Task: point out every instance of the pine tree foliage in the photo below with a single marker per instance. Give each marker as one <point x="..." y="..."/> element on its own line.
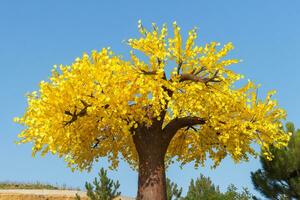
<point x="102" y="189"/>
<point x="173" y="191"/>
<point x="204" y="189"/>
<point x="233" y="194"/>
<point x="280" y="177"/>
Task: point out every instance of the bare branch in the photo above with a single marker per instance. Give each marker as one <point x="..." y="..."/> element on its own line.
<point x="195" y="78"/>
<point x="81" y="113"/>
<point x="159" y="61"/>
<point x="191" y="127"/>
<point x="174" y="125"/>
<point x="148" y="72"/>
<point x="201" y="70"/>
<point x="179" y="66"/>
<point x="190" y="77"/>
<point x="73" y="119"/>
<point x="68" y="113"/>
<point x="96" y="143"/>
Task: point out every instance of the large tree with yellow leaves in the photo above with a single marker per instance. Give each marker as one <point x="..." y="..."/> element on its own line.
<point x="105" y="106"/>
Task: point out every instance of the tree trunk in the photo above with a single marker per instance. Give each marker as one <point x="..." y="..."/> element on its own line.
<point x="151" y="150"/>
<point x="152" y="178"/>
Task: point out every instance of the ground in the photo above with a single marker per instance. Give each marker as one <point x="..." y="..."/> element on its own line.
<point x="27" y="194"/>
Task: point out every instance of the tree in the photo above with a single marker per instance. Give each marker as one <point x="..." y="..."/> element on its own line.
<point x="204" y="189"/>
<point x="173" y="190"/>
<point x="103" y="189"/>
<point x="280" y="177"/>
<point x="232" y="193"/>
<point x="105" y="106"/>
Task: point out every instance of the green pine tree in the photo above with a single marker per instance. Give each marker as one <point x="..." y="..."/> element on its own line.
<point x="102" y="189"/>
<point x="173" y="191"/>
<point x="233" y="194"/>
<point x="280" y="178"/>
<point x="204" y="189"/>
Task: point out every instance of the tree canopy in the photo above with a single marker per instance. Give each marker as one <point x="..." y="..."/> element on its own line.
<point x="94" y="107"/>
<point x="280" y="177"/>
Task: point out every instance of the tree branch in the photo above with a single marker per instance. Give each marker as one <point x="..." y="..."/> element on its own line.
<point x="199" y="71"/>
<point x="81" y="113"/>
<point x="148" y="72"/>
<point x="75" y="115"/>
<point x="174" y="125"/>
<point x="179" y="66"/>
<point x="195" y="78"/>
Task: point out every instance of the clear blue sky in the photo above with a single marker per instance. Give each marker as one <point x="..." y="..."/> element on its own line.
<point x="34" y="36"/>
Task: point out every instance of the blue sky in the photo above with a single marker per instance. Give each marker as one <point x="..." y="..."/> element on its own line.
<point x="34" y="36"/>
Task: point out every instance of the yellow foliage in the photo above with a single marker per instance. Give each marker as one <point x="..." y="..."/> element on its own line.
<point x="91" y="108"/>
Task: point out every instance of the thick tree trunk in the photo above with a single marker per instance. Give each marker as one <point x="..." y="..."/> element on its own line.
<point x="152" y="178"/>
<point x="151" y="149"/>
<point x="151" y="143"/>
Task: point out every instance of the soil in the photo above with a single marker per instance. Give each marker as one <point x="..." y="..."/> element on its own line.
<point x="41" y="194"/>
<point x="22" y="194"/>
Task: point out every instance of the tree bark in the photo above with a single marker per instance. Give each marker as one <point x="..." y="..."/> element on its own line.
<point x="151" y="150"/>
<point x="152" y="178"/>
<point x="151" y="144"/>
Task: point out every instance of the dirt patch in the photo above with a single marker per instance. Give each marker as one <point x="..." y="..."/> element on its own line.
<point x="41" y="195"/>
<point x="23" y="194"/>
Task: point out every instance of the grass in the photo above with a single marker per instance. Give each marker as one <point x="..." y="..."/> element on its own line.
<point x="37" y="185"/>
